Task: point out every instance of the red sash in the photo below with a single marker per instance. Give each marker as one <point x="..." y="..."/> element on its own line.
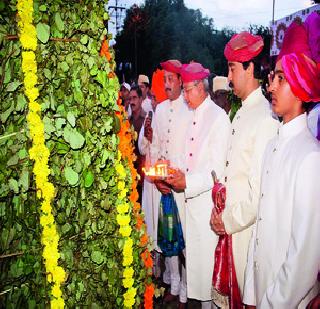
<point x="224" y="279"/>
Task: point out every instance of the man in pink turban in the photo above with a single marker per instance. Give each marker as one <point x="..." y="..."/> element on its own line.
<point x="284" y="254"/>
<point x="205" y="150"/>
<point x="252" y="128"/>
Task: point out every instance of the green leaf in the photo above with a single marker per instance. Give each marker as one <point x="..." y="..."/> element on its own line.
<point x="21" y="102"/>
<point x="84" y="39"/>
<point x="13" y="185"/>
<point x="88" y="180"/>
<point x="47" y="73"/>
<point x="43" y="32"/>
<point x="58" y="21"/>
<point x="48" y="125"/>
<point x="59" y="123"/>
<point x="74" y="138"/>
<point x="23" y="153"/>
<point x="63" y="66"/>
<point x="42" y="8"/>
<point x="71" y="176"/>
<point x="24" y="180"/>
<point x="71" y="119"/>
<point x="13" y="86"/>
<point x="4" y="116"/>
<point x="97" y="257"/>
<point x="13" y="160"/>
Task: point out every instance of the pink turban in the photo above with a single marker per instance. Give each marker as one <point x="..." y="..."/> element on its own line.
<point x="193" y="71"/>
<point x="300" y="58"/>
<point x="243" y="47"/>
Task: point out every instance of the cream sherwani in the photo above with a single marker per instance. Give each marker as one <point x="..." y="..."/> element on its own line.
<point x="285" y="255"/>
<point x="206" y="149"/>
<point x="252" y="128"/>
<point x="170" y="124"/>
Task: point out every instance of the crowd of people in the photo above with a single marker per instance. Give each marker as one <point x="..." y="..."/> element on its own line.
<point x="267" y="159"/>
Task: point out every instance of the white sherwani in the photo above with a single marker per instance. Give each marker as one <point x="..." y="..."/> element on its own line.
<point x="146" y="105"/>
<point x="252" y="128"/>
<point x="206" y="149"/>
<point x="170" y="123"/>
<point x="286" y="256"/>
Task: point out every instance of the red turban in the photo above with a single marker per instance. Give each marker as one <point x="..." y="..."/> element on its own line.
<point x="243" y="47"/>
<point x="173" y="66"/>
<point x="193" y="71"/>
<point x="157" y="86"/>
<point x="299" y="59"/>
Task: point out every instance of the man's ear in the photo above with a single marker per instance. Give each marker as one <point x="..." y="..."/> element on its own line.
<point x="250" y="69"/>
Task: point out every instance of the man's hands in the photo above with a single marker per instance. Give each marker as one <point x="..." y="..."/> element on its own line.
<point x="216" y="222"/>
<point x="163" y="187"/>
<point x="148" y="129"/>
<point x="177" y="180"/>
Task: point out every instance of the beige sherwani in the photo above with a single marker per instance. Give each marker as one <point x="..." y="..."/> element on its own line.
<point x="252" y="127"/>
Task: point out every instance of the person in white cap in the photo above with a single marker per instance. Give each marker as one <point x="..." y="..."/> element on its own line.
<point x="220" y="92"/>
<point x="124" y="93"/>
<point x="144" y="84"/>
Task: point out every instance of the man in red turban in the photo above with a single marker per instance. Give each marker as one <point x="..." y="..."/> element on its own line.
<point x="284" y="256"/>
<point x="252" y="127"/>
<point x="169" y="124"/>
<point x="206" y="144"/>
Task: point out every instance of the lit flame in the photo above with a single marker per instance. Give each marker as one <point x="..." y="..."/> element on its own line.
<point x="158" y="170"/>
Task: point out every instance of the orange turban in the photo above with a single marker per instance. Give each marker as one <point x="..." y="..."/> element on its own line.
<point x="157" y="86"/>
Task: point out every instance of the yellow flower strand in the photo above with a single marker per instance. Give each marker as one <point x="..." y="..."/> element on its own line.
<point x="40" y="153"/>
<point x="123" y="219"/>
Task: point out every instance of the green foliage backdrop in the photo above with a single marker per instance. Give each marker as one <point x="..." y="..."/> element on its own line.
<point x="78" y="102"/>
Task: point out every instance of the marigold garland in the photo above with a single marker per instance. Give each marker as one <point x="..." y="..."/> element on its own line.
<point x="40" y="153"/>
<point x="126" y="149"/>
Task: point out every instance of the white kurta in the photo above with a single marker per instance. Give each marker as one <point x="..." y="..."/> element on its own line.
<point x="150" y="194"/>
<point x="206" y="149"/>
<point x="170" y="123"/>
<point x="146" y="105"/>
<point x="286" y="255"/>
<point x="252" y="128"/>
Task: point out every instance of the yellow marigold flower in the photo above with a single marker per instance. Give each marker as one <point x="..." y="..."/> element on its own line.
<point x="46" y="219"/>
<point x="57" y="303"/>
<point x="128" y="243"/>
<point x="59" y="274"/>
<point x="125" y="231"/>
<point x="30" y="80"/>
<point x="122" y="194"/>
<point x="121" y="185"/>
<point x="123" y="219"/>
<point x="130" y="294"/>
<point x="32" y="95"/>
<point x="127" y="260"/>
<point x="56" y="291"/>
<point x="123" y="208"/>
<point x="127" y="252"/>
<point x="120" y="170"/>
<point x="127" y="283"/>
<point x="128" y="272"/>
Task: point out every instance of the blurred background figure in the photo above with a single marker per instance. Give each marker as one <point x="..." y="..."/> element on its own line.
<point x="144" y="84"/>
<point x="220" y="92"/>
<point x="124" y="93"/>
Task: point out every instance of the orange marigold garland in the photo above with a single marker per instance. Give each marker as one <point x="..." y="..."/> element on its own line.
<point x="126" y="149"/>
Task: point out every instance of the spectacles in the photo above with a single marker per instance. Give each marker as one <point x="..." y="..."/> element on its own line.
<point x="187" y="90"/>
